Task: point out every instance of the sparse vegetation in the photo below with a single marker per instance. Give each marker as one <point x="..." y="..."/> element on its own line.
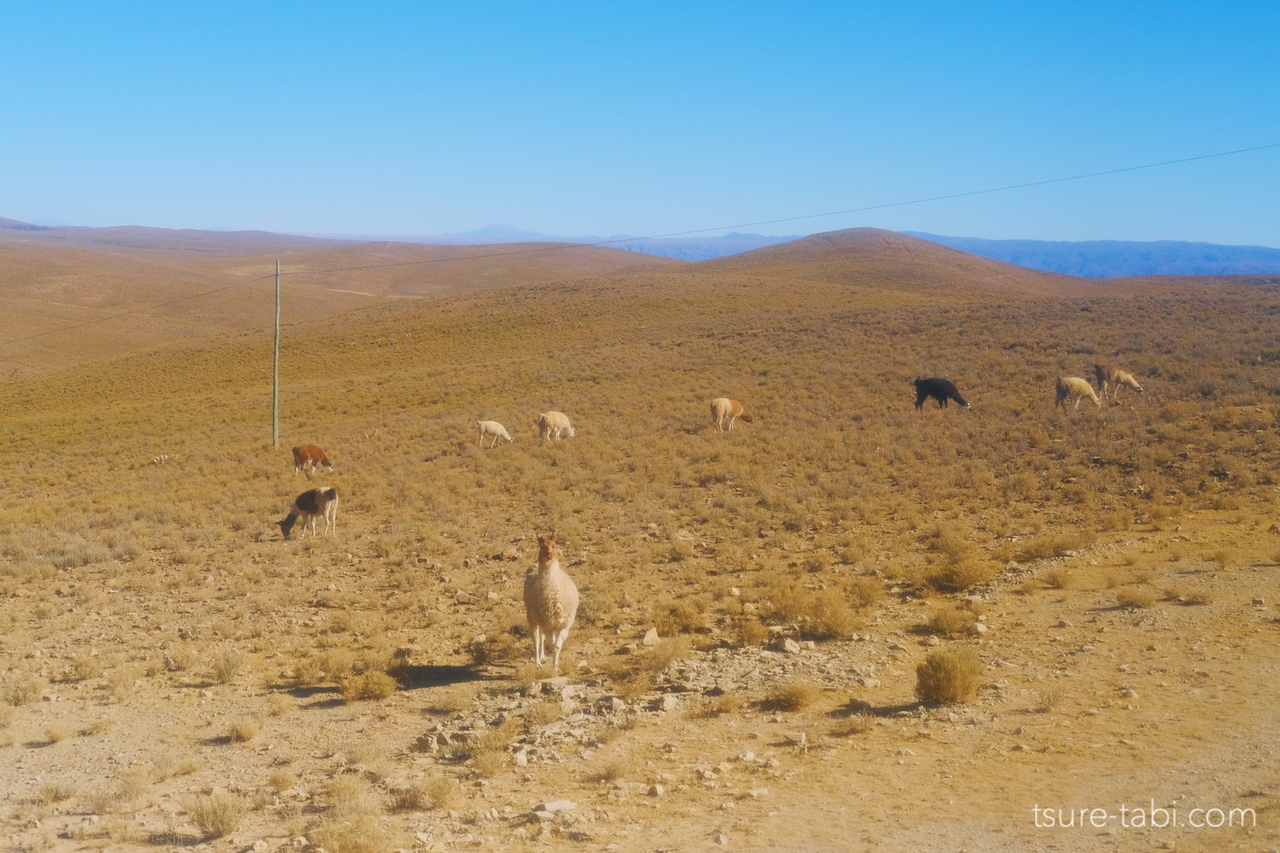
<point x="947" y="676"/>
<point x="218" y="814"/>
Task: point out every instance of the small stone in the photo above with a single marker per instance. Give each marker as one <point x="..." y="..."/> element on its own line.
<point x="260" y="846"/>
<point x="1020" y="747"/>
<point x="479" y="640"/>
<point x="1129" y="693"/>
<point x="1063" y="623"/>
<point x="791" y="646"/>
<point x="980" y="628"/>
<point x="668" y="702"/>
<point x="721" y="838"/>
<point x="651" y="637"/>
<point x="656" y="790"/>
<point x="809" y="644"/>
<point x="869" y="682"/>
<point x="798" y="738"/>
<point x="617" y="704"/>
<point x="748" y="607"/>
<point x="1260" y="602"/>
<point x="556" y="806"/>
<point x="493" y="596"/>
<point x="933" y="641"/>
<point x="757" y="793"/>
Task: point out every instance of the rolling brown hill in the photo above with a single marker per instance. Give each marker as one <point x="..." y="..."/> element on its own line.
<point x="141" y="289"/>
<point x="871" y="257"/>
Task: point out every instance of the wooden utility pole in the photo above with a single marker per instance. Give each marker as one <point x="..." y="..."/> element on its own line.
<point x="275" y="372"/>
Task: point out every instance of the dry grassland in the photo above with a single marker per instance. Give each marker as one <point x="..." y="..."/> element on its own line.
<point x="880" y="628"/>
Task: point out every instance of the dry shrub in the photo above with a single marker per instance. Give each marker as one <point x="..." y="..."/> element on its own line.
<point x="792" y="696"/>
<point x="611" y="770"/>
<point x="540" y="714"/>
<point x="1057" y="578"/>
<point x="948" y="676"/>
<point x="952" y="622"/>
<point x="864" y="592"/>
<point x="217" y="814"/>
<point x="856" y="724"/>
<point x="751" y="631"/>
<point x="678" y="617"/>
<point x="829" y="617"/>
<point x="23" y="690"/>
<point x="1139" y="599"/>
<point x="961" y="576"/>
<point x="432" y="794"/>
<point x="1201" y="597"/>
<point x="359" y="835"/>
<point x="245" y="729"/>
<point x="350" y="797"/>
<point x="372" y="684"/>
<point x="7" y="715"/>
<point x="84" y="666"/>
<point x="279" y="704"/>
<point x="667" y="652"/>
<point x="1048" y="545"/>
<point x="281" y="780"/>
<point x="1050" y="698"/>
<point x="55" y="792"/>
<point x="227" y="665"/>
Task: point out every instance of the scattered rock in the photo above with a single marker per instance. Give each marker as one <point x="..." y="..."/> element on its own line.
<point x="791" y="646"/>
<point x="651" y="637"/>
<point x="721" y="838"/>
<point x="798" y="738"/>
<point x="656" y="790"/>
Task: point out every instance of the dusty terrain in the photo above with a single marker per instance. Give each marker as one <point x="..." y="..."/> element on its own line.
<point x="175" y="675"/>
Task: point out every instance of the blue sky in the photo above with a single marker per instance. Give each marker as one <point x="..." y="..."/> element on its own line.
<point x="601" y="119"/>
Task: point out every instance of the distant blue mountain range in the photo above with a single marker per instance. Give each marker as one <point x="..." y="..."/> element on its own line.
<point x="685" y="248"/>
<point x="1115" y="258"/>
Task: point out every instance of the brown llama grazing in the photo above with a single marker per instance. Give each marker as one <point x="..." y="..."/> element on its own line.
<point x="1109" y="374"/>
<point x="550" y="602"/>
<point x="309" y="456"/>
<point x="1077" y="388"/>
<point x="725" y="411"/>
<point x="309" y="506"/>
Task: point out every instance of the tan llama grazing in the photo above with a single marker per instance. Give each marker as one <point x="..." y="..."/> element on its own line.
<point x="550" y="602"/>
<point x="1109" y="374"/>
<point x="1076" y="388"/>
<point x="725" y="411"/>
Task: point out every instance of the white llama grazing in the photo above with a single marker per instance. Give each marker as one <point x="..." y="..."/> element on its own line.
<point x="1077" y="388"/>
<point x="494" y="429"/>
<point x="725" y="411"/>
<point x="552" y="424"/>
<point x="550" y="602"/>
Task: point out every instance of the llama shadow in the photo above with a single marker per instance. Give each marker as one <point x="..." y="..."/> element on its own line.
<point x="419" y="677"/>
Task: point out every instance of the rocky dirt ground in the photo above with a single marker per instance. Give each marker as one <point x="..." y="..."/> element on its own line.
<point x="1084" y="704"/>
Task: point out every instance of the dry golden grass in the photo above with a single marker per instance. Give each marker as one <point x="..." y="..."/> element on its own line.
<point x="838" y="493"/>
<point x="792" y="696"/>
<point x="218" y="814"/>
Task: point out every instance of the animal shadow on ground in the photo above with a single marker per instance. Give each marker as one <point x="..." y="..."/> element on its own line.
<point x="418" y="677"/>
<point x="855" y="707"/>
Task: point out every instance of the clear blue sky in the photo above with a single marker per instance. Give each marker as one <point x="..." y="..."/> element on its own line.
<point x="593" y="118"/>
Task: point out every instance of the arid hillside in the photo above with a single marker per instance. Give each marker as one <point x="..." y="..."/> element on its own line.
<point x="141" y="289"/>
<point x="846" y="624"/>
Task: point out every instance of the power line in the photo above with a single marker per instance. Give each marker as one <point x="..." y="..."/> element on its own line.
<point x="562" y="246"/>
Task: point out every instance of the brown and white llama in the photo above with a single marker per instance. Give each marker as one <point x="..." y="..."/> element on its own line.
<point x="309" y="456"/>
<point x="1109" y="374"/>
<point x="725" y="411"/>
<point x="1076" y="388"/>
<point x="309" y="506"/>
<point x="550" y="602"/>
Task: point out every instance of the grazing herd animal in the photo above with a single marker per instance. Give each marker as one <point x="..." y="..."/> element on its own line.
<point x="1109" y="374"/>
<point x="494" y="429"/>
<point x="1074" y="387"/>
<point x="309" y="456"/>
<point x="725" y="411"/>
<point x="552" y="424"/>
<point x="939" y="389"/>
<point x="309" y="506"/>
<point x="550" y="602"/>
